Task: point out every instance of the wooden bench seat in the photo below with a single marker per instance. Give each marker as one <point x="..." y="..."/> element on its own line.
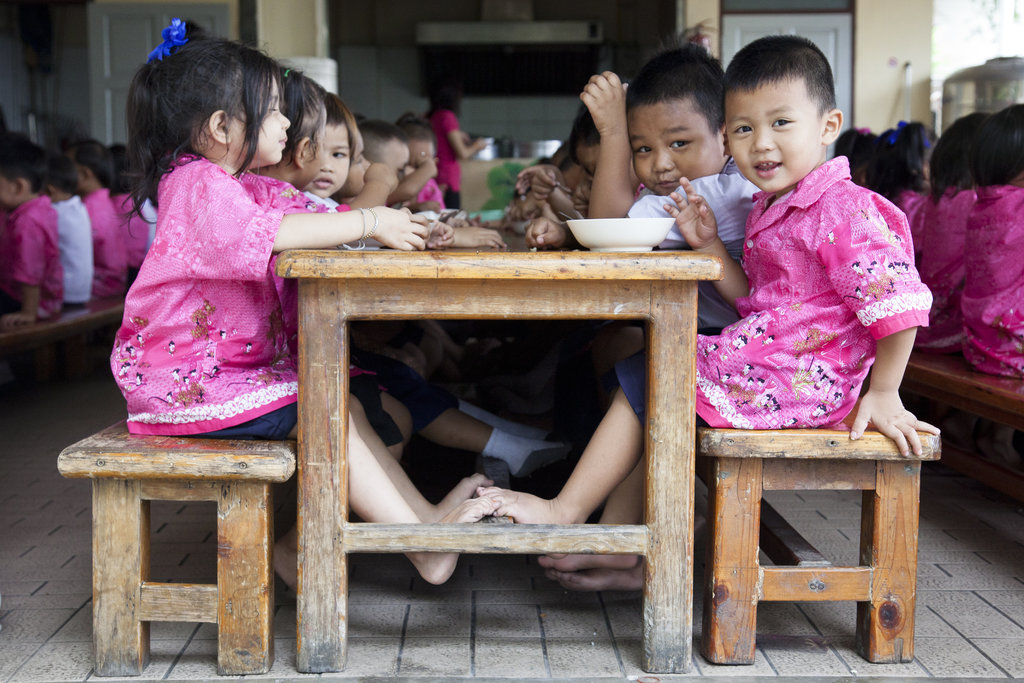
<point x="70" y="327"/>
<point x="744" y="463"/>
<point x="949" y="379"/>
<point x="127" y="472"/>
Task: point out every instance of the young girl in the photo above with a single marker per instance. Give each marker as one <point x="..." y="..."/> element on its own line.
<point x="942" y="229"/>
<point x="136" y="229"/>
<point x="202" y="349"/>
<point x="898" y="171"/>
<point x="829" y="288"/>
<point x="453" y="144"/>
<point x="857" y="145"/>
<point x="422" y="164"/>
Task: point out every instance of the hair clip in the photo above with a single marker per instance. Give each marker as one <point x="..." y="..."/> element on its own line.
<point x="286" y="72"/>
<point x="174" y="36"/>
<point x="863" y="131"/>
<point x="890" y="139"/>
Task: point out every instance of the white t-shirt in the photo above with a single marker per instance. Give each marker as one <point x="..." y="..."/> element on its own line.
<point x="730" y="196"/>
<point x="74" y="238"/>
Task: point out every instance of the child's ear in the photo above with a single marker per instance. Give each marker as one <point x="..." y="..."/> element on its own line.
<point x="304" y="153"/>
<point x="833" y="124"/>
<point x="725" y="140"/>
<point x="217" y="127"/>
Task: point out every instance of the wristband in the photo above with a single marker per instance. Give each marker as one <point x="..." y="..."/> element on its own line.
<point x="376" y="224"/>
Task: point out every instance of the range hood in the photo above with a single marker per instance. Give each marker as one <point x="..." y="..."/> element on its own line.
<point x="511" y="57"/>
<point x="509" y="33"/>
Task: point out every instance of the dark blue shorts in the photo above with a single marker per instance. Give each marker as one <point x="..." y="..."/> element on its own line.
<point x="425" y="401"/>
<point x="632" y="376"/>
<point x="274" y="426"/>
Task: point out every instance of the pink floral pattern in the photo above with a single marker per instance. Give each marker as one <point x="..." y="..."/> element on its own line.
<point x="829" y="274"/>
<point x="993" y="298"/>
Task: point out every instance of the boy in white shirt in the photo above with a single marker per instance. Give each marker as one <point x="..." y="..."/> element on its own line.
<point x="74" y="232"/>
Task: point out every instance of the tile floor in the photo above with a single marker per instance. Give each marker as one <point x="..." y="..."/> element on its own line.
<point x="498" y="617"/>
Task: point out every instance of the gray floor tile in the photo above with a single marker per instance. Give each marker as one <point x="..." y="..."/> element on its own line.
<point x="573" y="657"/>
<point x="793" y="656"/>
<point x="512" y="621"/>
<point x="509" y="657"/>
<point x="954" y="657"/>
<point x="1007" y="653"/>
<point x="435" y="657"/>
<point x="57" y="662"/>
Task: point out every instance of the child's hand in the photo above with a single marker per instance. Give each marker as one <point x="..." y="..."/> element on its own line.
<point x="442" y="235"/>
<point x="885" y="411"/>
<point x="694" y="218"/>
<point x="475" y="237"/>
<point x="545" y="233"/>
<point x="539" y="180"/>
<point x="605" y="97"/>
<point x="399" y="229"/>
<point x="383" y="174"/>
<point x="16" y="319"/>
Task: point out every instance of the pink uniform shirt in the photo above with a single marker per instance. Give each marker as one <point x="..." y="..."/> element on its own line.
<point x="134" y="230"/>
<point x="993" y="298"/>
<point x="911" y="203"/>
<point x="109" y="252"/>
<point x="202" y="345"/>
<point x="828" y="276"/>
<point x="943" y="228"/>
<point x="30" y="254"/>
<point x="443" y="122"/>
<point x="431" y="193"/>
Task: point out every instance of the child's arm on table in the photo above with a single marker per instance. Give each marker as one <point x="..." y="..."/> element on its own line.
<point x="548" y="232"/>
<point x="29" y="307"/>
<point x="378" y="184"/>
<point x="411" y="184"/>
<point x="614" y="180"/>
<point x="881" y="405"/>
<point x="397" y="229"/>
<point x="697" y="225"/>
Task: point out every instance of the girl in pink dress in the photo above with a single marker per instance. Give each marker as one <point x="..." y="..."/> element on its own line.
<point x="898" y="171"/>
<point x="453" y="144"/>
<point x="202" y="348"/>
<point x="942" y="226"/>
<point x="828" y="291"/>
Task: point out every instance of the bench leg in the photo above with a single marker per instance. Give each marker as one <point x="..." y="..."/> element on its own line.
<point x="889" y="522"/>
<point x="245" y="578"/>
<point x="120" y="564"/>
<point x="731" y="584"/>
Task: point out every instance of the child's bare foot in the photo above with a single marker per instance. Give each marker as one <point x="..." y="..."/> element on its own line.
<point x="524" y="508"/>
<point x="601" y="578"/>
<point x="286" y="558"/>
<point x="462" y="492"/>
<point x="436" y="568"/>
<point x="996" y="444"/>
<point x="575" y="563"/>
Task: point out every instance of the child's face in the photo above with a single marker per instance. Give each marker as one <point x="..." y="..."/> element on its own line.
<point x="776" y="134"/>
<point x="419" y="152"/>
<point x="273" y="136"/>
<point x="333" y="164"/>
<point x="11" y="193"/>
<point x="395" y="154"/>
<point x="671" y="140"/>
<point x="587" y="156"/>
<point x="356" y="170"/>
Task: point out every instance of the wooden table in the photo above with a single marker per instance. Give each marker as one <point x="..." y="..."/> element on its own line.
<point x="338" y="286"/>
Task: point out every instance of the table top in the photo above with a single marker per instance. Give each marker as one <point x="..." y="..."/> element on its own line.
<point x="501" y="265"/>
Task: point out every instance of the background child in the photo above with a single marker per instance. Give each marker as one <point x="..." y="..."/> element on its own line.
<point x="453" y="144"/>
<point x="202" y="349"/>
<point x="942" y="231"/>
<point x="368" y="184"/>
<point x="336" y="152"/>
<point x="109" y="251"/>
<point x="74" y="231"/>
<point x="814" y="318"/>
<point x="32" y="279"/>
<point x="137" y="228"/>
<point x="899" y="171"/>
<point x="857" y="145"/>
<point x="422" y="162"/>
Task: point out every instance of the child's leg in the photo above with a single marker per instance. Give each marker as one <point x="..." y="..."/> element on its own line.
<point x="607" y="460"/>
<point x="402" y="419"/>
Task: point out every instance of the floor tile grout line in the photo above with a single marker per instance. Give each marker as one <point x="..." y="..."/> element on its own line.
<point x="401" y="640"/>
<point x="611" y="634"/>
<point x="996" y="608"/>
<point x="472" y="631"/>
<point x="181" y="652"/>
<point x="831" y="644"/>
<point x="50" y="637"/>
<point x="969" y="641"/>
<point x="543" y="641"/>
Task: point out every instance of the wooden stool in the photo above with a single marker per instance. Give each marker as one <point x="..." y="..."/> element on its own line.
<point x="129" y="471"/>
<point x="743" y="464"/>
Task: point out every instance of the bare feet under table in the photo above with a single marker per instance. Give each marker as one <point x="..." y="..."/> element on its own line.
<point x="336" y="287"/>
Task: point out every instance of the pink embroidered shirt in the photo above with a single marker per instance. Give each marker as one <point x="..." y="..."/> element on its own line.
<point x="134" y="230"/>
<point x="828" y="276"/>
<point x="993" y="298"/>
<point x="431" y="193"/>
<point x="911" y="203"/>
<point x="202" y="345"/>
<point x="941" y="263"/>
<point x="30" y="254"/>
<point x="109" y="252"/>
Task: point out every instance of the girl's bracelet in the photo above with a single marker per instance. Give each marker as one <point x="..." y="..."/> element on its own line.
<point x="376" y="224"/>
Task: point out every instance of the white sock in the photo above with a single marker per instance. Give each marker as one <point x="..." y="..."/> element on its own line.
<point x="523" y="455"/>
<point x="501" y="423"/>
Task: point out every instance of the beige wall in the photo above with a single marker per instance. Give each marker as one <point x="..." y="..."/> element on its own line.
<point x="296" y="28"/>
<point x="232" y="9"/>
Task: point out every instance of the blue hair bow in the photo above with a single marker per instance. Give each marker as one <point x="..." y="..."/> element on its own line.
<point x="890" y="139"/>
<point x="174" y="36"/>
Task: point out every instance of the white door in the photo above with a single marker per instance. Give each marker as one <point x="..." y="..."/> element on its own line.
<point x="121" y="36"/>
<point x="832" y="33"/>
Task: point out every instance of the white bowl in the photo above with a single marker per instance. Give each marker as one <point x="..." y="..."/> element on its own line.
<point x="620" y="234"/>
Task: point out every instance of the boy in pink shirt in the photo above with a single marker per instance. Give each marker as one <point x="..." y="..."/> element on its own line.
<point x="32" y="279"/>
<point x="109" y="249"/>
<point x="828" y="288"/>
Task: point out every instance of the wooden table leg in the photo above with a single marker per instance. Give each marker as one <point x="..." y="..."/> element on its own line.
<point x="668" y="582"/>
<point x="323" y="497"/>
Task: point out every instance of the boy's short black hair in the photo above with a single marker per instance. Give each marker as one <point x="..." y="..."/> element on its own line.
<point x="61" y="173"/>
<point x="22" y="158"/>
<point x="95" y="156"/>
<point x="773" y="59"/>
<point x="685" y="72"/>
<point x="376" y="134"/>
<point x="998" y="154"/>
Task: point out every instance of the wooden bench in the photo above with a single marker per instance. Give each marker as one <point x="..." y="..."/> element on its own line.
<point x="70" y="327"/>
<point x="951" y="380"/>
<point x="127" y="472"/>
<point x="744" y="463"/>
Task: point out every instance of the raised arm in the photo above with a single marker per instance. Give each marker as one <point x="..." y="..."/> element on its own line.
<point x="614" y="180"/>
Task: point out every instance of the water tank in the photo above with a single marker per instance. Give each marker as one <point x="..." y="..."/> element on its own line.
<point x="992" y="86"/>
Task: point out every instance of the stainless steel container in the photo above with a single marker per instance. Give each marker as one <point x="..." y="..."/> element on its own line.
<point x="992" y="86"/>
